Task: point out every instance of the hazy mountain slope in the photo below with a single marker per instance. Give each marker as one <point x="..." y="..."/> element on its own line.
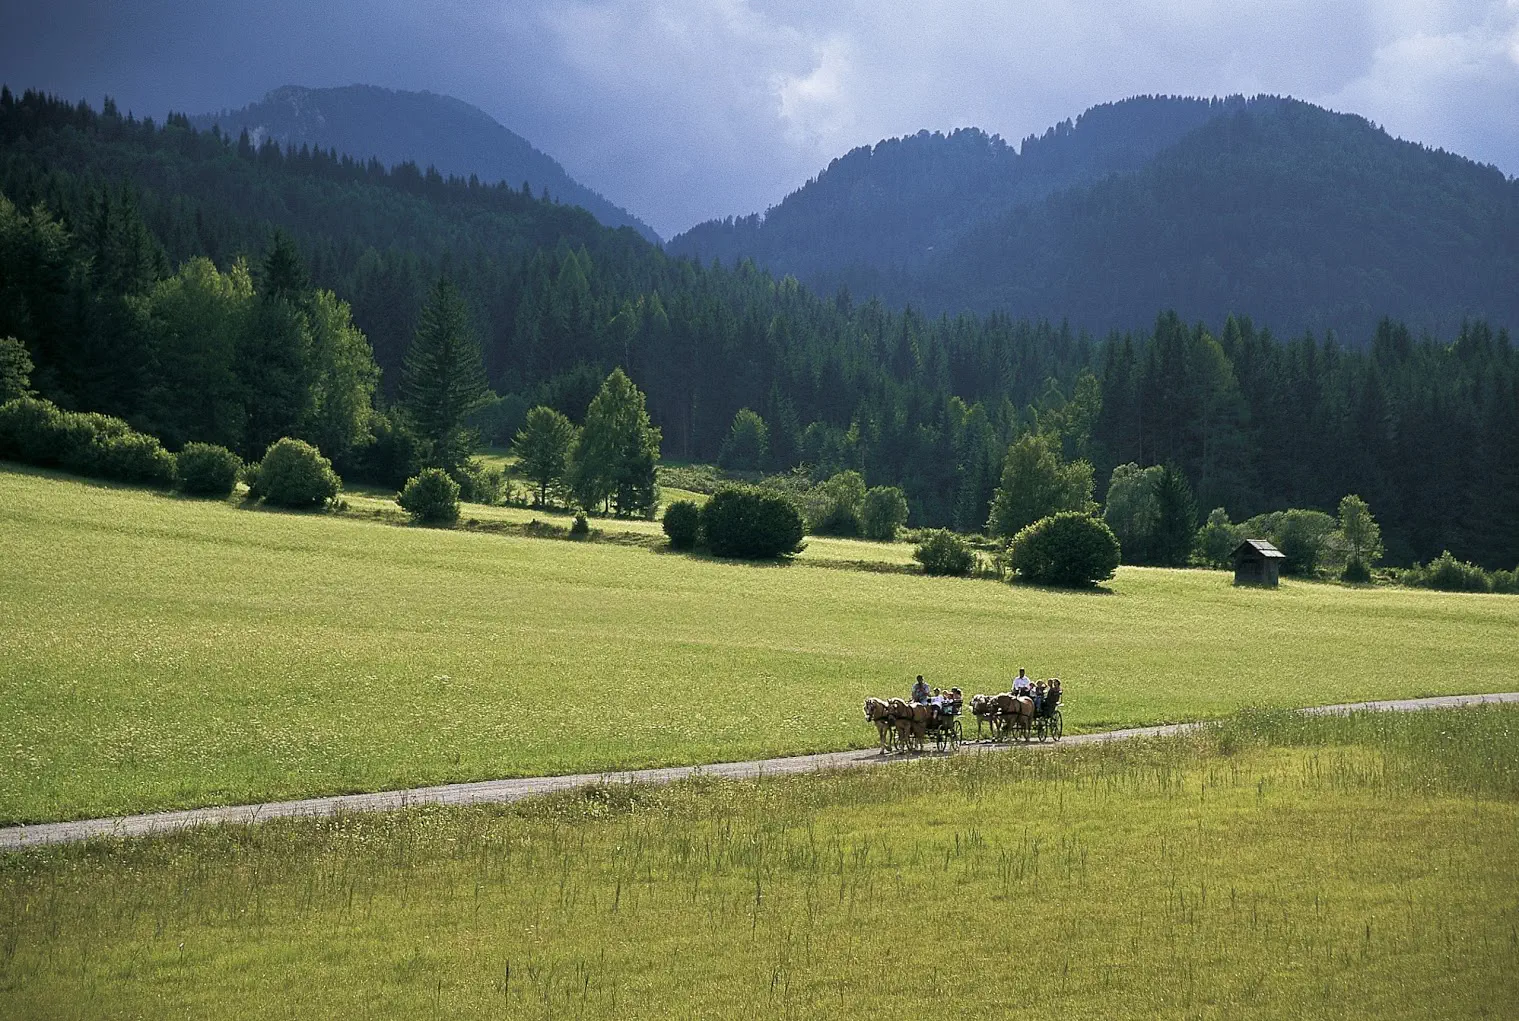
<point x="422" y="127"/>
<point x="889" y="207"/>
<point x="1269" y="207"/>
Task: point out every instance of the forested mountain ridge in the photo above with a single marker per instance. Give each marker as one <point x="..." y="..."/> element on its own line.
<point x="887" y="209"/>
<point x="107" y="224"/>
<point x="1270" y="208"/>
<point x="396" y="126"/>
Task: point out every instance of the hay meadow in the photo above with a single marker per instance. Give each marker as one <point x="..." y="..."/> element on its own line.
<point x="1273" y="867"/>
<point x="161" y="652"/>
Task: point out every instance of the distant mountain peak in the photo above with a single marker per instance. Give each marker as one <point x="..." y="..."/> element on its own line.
<point x="426" y="128"/>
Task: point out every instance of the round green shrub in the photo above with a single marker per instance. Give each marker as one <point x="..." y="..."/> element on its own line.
<point x="205" y="469"/>
<point x="1071" y="549"/>
<point x="294" y="474"/>
<point x="1356" y="572"/>
<point x="944" y="552"/>
<point x="129" y="457"/>
<point x="883" y="512"/>
<point x="683" y="524"/>
<point x="431" y="497"/>
<point x="580" y="528"/>
<point x="751" y="524"/>
<point x="32" y="431"/>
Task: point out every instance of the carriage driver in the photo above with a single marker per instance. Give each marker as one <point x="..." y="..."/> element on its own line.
<point x="1022" y="682"/>
<point x="919" y="691"/>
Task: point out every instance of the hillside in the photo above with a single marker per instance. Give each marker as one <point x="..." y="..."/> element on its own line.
<point x="1269" y="208"/>
<point x="891" y="207"/>
<point x="395" y="126"/>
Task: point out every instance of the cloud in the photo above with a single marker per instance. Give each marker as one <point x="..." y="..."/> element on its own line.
<point x="687" y="109"/>
<point x="1446" y="82"/>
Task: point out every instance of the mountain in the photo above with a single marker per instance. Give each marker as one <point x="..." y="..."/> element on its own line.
<point x="421" y="127"/>
<point x="1268" y="207"/>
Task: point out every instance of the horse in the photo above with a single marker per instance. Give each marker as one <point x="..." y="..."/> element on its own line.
<point x="878" y="711"/>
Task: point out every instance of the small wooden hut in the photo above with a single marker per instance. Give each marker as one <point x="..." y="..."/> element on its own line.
<point x="1257" y="562"/>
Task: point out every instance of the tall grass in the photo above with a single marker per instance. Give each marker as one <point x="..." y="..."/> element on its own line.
<point x="1358" y="867"/>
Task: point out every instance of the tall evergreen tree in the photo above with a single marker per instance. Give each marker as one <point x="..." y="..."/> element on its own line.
<point x="443" y="378"/>
<point x="1176" y="518"/>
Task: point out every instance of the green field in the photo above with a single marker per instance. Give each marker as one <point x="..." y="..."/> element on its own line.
<point x="160" y="652"/>
<point x="1275" y="868"/>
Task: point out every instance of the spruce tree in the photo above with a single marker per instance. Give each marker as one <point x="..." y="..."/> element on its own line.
<point x="443" y="378"/>
<point x="1176" y="522"/>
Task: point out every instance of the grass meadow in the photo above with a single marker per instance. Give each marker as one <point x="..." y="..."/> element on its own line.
<point x="1274" y="867"/>
<point x="159" y="652"/>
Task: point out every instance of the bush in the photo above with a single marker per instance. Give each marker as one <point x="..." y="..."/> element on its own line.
<point x="751" y="524"/>
<point x="834" y="507"/>
<point x="204" y="469"/>
<point x="37" y="432"/>
<point x="581" y="528"/>
<point x="431" y="497"/>
<point x="683" y="524"/>
<point x="944" y="552"/>
<point x="1070" y="548"/>
<point x="1448" y="574"/>
<point x="32" y="431"/>
<point x="1506" y="582"/>
<point x="479" y="484"/>
<point x="293" y="473"/>
<point x="883" y="512"/>
<point x="1356" y="572"/>
<point x="129" y="457"/>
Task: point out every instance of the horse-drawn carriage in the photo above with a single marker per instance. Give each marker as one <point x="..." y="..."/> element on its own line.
<point x="907" y="726"/>
<point x="1010" y="715"/>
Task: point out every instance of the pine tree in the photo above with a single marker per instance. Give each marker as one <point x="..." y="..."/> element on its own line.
<point x="1176" y="522"/>
<point x="443" y="378"/>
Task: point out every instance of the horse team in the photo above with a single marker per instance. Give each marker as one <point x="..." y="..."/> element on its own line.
<point x="904" y="724"/>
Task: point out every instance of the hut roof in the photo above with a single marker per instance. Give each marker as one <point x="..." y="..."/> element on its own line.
<point x="1259" y="548"/>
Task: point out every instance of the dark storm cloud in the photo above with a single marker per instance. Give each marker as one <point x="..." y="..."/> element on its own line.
<point x="685" y="109"/>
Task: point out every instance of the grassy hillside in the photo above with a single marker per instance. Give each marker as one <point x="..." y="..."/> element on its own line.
<point x="160" y="652"/>
<point x="1332" y="868"/>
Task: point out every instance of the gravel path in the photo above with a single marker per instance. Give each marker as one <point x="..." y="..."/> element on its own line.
<point x="497" y="791"/>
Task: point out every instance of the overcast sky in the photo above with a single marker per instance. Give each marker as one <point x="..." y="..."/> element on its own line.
<point x="682" y="110"/>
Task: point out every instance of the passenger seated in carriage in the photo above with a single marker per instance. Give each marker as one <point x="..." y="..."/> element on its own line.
<point x="1051" y="697"/>
<point x="920" y="692"/>
<point x="1022" y="683"/>
<point x="1039" y="697"/>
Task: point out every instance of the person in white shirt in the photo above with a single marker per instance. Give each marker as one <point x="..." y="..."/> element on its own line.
<point x="1022" y="683"/>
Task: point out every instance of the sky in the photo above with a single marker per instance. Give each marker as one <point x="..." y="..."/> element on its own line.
<point x="683" y="110"/>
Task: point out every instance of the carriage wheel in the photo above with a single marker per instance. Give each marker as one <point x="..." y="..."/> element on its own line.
<point x="1057" y="724"/>
<point x="1039" y="729"/>
<point x="956" y="734"/>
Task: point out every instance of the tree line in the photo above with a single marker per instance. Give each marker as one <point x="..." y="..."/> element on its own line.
<point x="118" y="233"/>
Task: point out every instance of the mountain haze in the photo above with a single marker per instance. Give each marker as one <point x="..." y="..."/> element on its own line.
<point x="1266" y="207"/>
<point x="421" y="127"/>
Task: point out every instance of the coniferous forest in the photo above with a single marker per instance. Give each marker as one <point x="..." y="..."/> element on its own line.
<point x="206" y="289"/>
